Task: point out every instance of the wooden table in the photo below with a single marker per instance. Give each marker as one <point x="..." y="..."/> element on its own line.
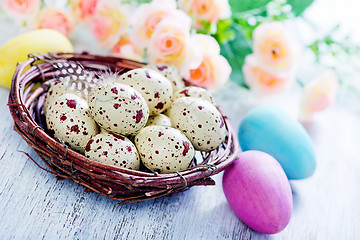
<point x="34" y="205"/>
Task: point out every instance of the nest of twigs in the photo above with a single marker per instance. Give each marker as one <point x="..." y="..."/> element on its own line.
<point x="29" y="86"/>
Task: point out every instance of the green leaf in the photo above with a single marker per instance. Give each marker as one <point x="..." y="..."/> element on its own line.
<point x="235" y="52"/>
<point x="205" y="29"/>
<point x="299" y="6"/>
<point x="315" y="47"/>
<point x="237" y="6"/>
<point x="246" y="5"/>
<point x="224" y="31"/>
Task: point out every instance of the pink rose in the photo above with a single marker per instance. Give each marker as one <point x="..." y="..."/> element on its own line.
<point x="274" y="46"/>
<point x="108" y="24"/>
<point x="125" y="48"/>
<point x="149" y="15"/>
<point x="214" y="69"/>
<point x="22" y="9"/>
<point x="171" y="43"/>
<point x="55" y="19"/>
<point x="84" y="9"/>
<point x="318" y="94"/>
<point x="209" y="10"/>
<point x="212" y="73"/>
<point x="261" y="80"/>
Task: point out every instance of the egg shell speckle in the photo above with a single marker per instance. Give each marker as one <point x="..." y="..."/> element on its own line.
<point x="273" y="131"/>
<point x="258" y="191"/>
<point x="113" y="149"/>
<point x="171" y="73"/>
<point x="56" y="90"/>
<point x="153" y="86"/>
<point x="164" y="149"/>
<point x="200" y="121"/>
<point x="68" y="119"/>
<point x="160" y="120"/>
<point x="118" y="108"/>
<point x="197" y="92"/>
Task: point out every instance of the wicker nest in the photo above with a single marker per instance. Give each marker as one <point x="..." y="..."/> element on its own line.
<point x="26" y="100"/>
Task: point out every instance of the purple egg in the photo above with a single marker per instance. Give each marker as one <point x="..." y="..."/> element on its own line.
<point x="258" y="191"/>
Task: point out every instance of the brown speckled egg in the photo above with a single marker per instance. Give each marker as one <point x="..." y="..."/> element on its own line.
<point x="200" y="121"/>
<point x="171" y="73"/>
<point x="160" y="120"/>
<point x="118" y="108"/>
<point x="164" y="149"/>
<point x="68" y="119"/>
<point x="113" y="149"/>
<point x="58" y="89"/>
<point x="154" y="87"/>
<point x="197" y="92"/>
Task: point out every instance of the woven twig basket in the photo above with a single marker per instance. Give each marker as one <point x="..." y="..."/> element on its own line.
<point x="25" y="102"/>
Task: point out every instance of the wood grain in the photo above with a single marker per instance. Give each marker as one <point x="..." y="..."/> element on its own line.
<point x="34" y="205"/>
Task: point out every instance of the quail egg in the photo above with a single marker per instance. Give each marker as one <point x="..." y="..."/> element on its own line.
<point x="164" y="149"/>
<point x="160" y="120"/>
<point x="118" y="108"/>
<point x="113" y="149"/>
<point x="171" y="73"/>
<point x="153" y="86"/>
<point x="68" y="119"/>
<point x="197" y="92"/>
<point x="200" y="121"/>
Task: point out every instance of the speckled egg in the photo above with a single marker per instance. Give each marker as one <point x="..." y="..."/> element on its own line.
<point x="200" y="121"/>
<point x="68" y="119"/>
<point x="160" y="120"/>
<point x="171" y="73"/>
<point x="153" y="86"/>
<point x="118" y="108"/>
<point x="113" y="149"/>
<point x="197" y="92"/>
<point x="164" y="149"/>
<point x="56" y="90"/>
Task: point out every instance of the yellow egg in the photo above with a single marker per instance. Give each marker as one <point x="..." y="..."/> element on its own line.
<point x="17" y="50"/>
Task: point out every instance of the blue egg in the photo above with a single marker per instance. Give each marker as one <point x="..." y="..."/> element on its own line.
<point x="271" y="130"/>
